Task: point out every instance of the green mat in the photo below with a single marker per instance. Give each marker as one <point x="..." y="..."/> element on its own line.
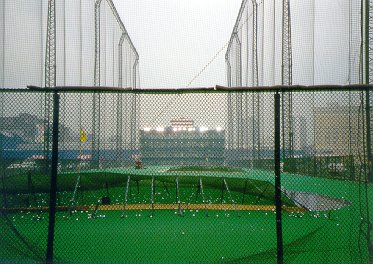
<point x="334" y="236"/>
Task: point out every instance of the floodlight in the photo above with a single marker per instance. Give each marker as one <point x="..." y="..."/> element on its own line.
<point x="203" y="129"/>
<point x="147" y="129"/>
<point x="219" y="129"/>
<point x="160" y="129"/>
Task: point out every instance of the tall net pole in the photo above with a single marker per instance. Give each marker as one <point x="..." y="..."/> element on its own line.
<point x="96" y="96"/>
<point x="50" y="56"/>
<point x="255" y="82"/>
<point x="135" y="103"/>
<point x="368" y="39"/>
<point x="369" y="80"/>
<point x="229" y="119"/>
<point x="50" y="74"/>
<point x="119" y="136"/>
<point x="369" y="45"/>
<point x="287" y="80"/>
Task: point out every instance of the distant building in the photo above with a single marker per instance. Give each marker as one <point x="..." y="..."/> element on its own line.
<point x="27" y="129"/>
<point x="182" y="143"/>
<point x="338" y="130"/>
<point x="302" y="140"/>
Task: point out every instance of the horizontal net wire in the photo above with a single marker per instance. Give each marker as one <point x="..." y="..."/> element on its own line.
<point x="178" y="177"/>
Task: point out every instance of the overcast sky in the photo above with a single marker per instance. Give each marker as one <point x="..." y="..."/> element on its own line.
<point x="176" y="39"/>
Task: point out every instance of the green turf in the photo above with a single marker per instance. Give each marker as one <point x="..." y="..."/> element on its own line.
<point x="194" y="237"/>
<point x="311" y="237"/>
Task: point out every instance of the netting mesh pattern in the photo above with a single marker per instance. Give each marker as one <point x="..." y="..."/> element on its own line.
<point x="93" y="47"/>
<point x="326" y="44"/>
<point x="174" y="178"/>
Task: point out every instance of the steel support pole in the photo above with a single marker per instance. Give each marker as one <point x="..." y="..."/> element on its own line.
<point x="287" y="80"/>
<point x="119" y="130"/>
<point x="96" y="111"/>
<point x="278" y="203"/>
<point x="370" y="171"/>
<point x="50" y="74"/>
<point x="53" y="186"/>
<point x="368" y="78"/>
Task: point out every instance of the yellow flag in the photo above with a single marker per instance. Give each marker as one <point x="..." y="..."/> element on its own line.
<point x="83" y="135"/>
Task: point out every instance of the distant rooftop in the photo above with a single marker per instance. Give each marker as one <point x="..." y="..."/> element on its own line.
<point x="182" y="122"/>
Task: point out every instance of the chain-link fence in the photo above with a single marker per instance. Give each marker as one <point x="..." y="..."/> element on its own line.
<point x="174" y="176"/>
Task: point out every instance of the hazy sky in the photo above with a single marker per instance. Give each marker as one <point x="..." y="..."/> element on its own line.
<point x="177" y="38"/>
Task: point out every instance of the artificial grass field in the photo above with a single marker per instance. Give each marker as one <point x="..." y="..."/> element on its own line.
<point x="222" y="236"/>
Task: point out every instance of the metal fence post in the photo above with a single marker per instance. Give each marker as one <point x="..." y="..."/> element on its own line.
<point x="53" y="186"/>
<point x="368" y="133"/>
<point x="370" y="171"/>
<point x="280" y="253"/>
